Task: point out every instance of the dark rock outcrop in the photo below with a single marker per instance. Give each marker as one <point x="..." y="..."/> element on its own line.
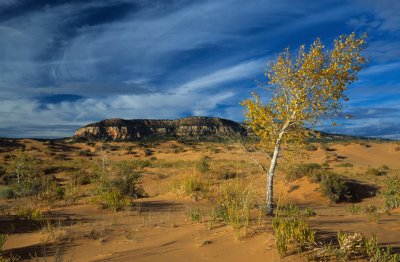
<point x="190" y="127"/>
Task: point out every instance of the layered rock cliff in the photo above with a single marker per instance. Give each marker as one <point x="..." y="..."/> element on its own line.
<point x="190" y="127"/>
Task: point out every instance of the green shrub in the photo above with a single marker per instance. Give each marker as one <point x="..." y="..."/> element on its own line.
<point x="202" y="165"/>
<point x="3" y="239"/>
<point x="377" y="171"/>
<point x="370" y="210"/>
<point x="3" y="172"/>
<point x="226" y="174"/>
<point x="325" y="165"/>
<point x="301" y="170"/>
<point x="172" y="164"/>
<point x="115" y="186"/>
<point x="6" y="193"/>
<point x="311" y="147"/>
<point x="293" y="188"/>
<point x="376" y="254"/>
<point x="192" y="185"/>
<point x="51" y="194"/>
<point x="287" y="210"/>
<point x="71" y="194"/>
<point x="194" y="214"/>
<point x="355" y="209"/>
<point x="334" y="187"/>
<point x="220" y="213"/>
<point x="291" y="229"/>
<point x="30" y="213"/>
<point x="309" y="212"/>
<point x="25" y="175"/>
<point x="391" y="192"/>
<point x="234" y="205"/>
<point x="148" y="152"/>
<point x="345" y="165"/>
<point x="110" y="199"/>
<point x="140" y="164"/>
<point x="86" y="152"/>
<point x="82" y="177"/>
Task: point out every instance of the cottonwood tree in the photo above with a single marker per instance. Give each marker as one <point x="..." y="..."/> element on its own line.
<point x="302" y="87"/>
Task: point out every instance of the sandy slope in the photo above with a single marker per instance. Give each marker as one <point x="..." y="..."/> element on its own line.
<point x="158" y="228"/>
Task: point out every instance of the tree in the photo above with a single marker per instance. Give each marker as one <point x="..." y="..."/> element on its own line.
<point x="303" y="88"/>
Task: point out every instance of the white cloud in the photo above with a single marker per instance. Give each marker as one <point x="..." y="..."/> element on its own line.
<point x="78" y="113"/>
<point x="241" y="71"/>
<point x="380" y="68"/>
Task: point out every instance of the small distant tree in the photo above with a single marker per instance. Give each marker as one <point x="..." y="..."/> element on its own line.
<point x="302" y="89"/>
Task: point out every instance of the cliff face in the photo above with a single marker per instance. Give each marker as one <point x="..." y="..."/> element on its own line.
<point x="120" y="129"/>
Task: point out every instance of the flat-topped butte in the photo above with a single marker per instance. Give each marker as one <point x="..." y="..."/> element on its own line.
<point x="189" y="127"/>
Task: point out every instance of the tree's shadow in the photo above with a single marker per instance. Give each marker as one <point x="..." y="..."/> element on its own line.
<point x="360" y="190"/>
<point x="157" y="206"/>
<point x="13" y="224"/>
<point x="7" y="145"/>
<point x="60" y="147"/>
<point x="43" y="250"/>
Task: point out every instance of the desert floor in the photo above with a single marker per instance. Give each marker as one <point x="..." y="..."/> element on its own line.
<point x="174" y="222"/>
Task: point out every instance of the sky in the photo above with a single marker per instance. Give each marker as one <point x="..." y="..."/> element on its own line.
<point x="64" y="64"/>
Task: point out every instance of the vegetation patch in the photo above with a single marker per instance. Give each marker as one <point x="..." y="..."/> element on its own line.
<point x="25" y="175"/>
<point x="381" y="171"/>
<point x="292" y="231"/>
<point x="203" y="165"/>
<point x="116" y="186"/>
<point x="300" y="170"/>
<point x="337" y="188"/>
<point x="345" y="165"/>
<point x="355" y="246"/>
<point x="6" y="193"/>
<point x="334" y="187"/>
<point x="391" y="192"/>
<point x="234" y="205"/>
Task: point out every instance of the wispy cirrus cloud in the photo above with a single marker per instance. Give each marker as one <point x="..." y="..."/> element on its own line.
<point x="247" y="69"/>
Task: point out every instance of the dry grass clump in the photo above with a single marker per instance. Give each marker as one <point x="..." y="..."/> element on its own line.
<point x="291" y="230"/>
<point x="29" y="213"/>
<point x="371" y="211"/>
<point x="311" y="147"/>
<point x="354" y="246"/>
<point x="195" y="215"/>
<point x="234" y="205"/>
<point x="117" y="184"/>
<point x="391" y="192"/>
<point x="194" y="186"/>
<point x="300" y="170"/>
<point x="203" y="165"/>
<point x="380" y="171"/>
<point x="345" y="165"/>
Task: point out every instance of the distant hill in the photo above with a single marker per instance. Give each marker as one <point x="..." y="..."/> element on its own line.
<point x="189" y="127"/>
<point x="186" y="128"/>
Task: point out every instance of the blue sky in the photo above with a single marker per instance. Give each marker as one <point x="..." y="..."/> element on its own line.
<point x="65" y="64"/>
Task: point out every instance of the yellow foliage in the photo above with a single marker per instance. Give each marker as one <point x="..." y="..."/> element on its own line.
<point x="303" y="88"/>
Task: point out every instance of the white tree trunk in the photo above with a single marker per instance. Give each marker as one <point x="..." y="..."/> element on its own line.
<point x="271" y="171"/>
<point x="270" y="179"/>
